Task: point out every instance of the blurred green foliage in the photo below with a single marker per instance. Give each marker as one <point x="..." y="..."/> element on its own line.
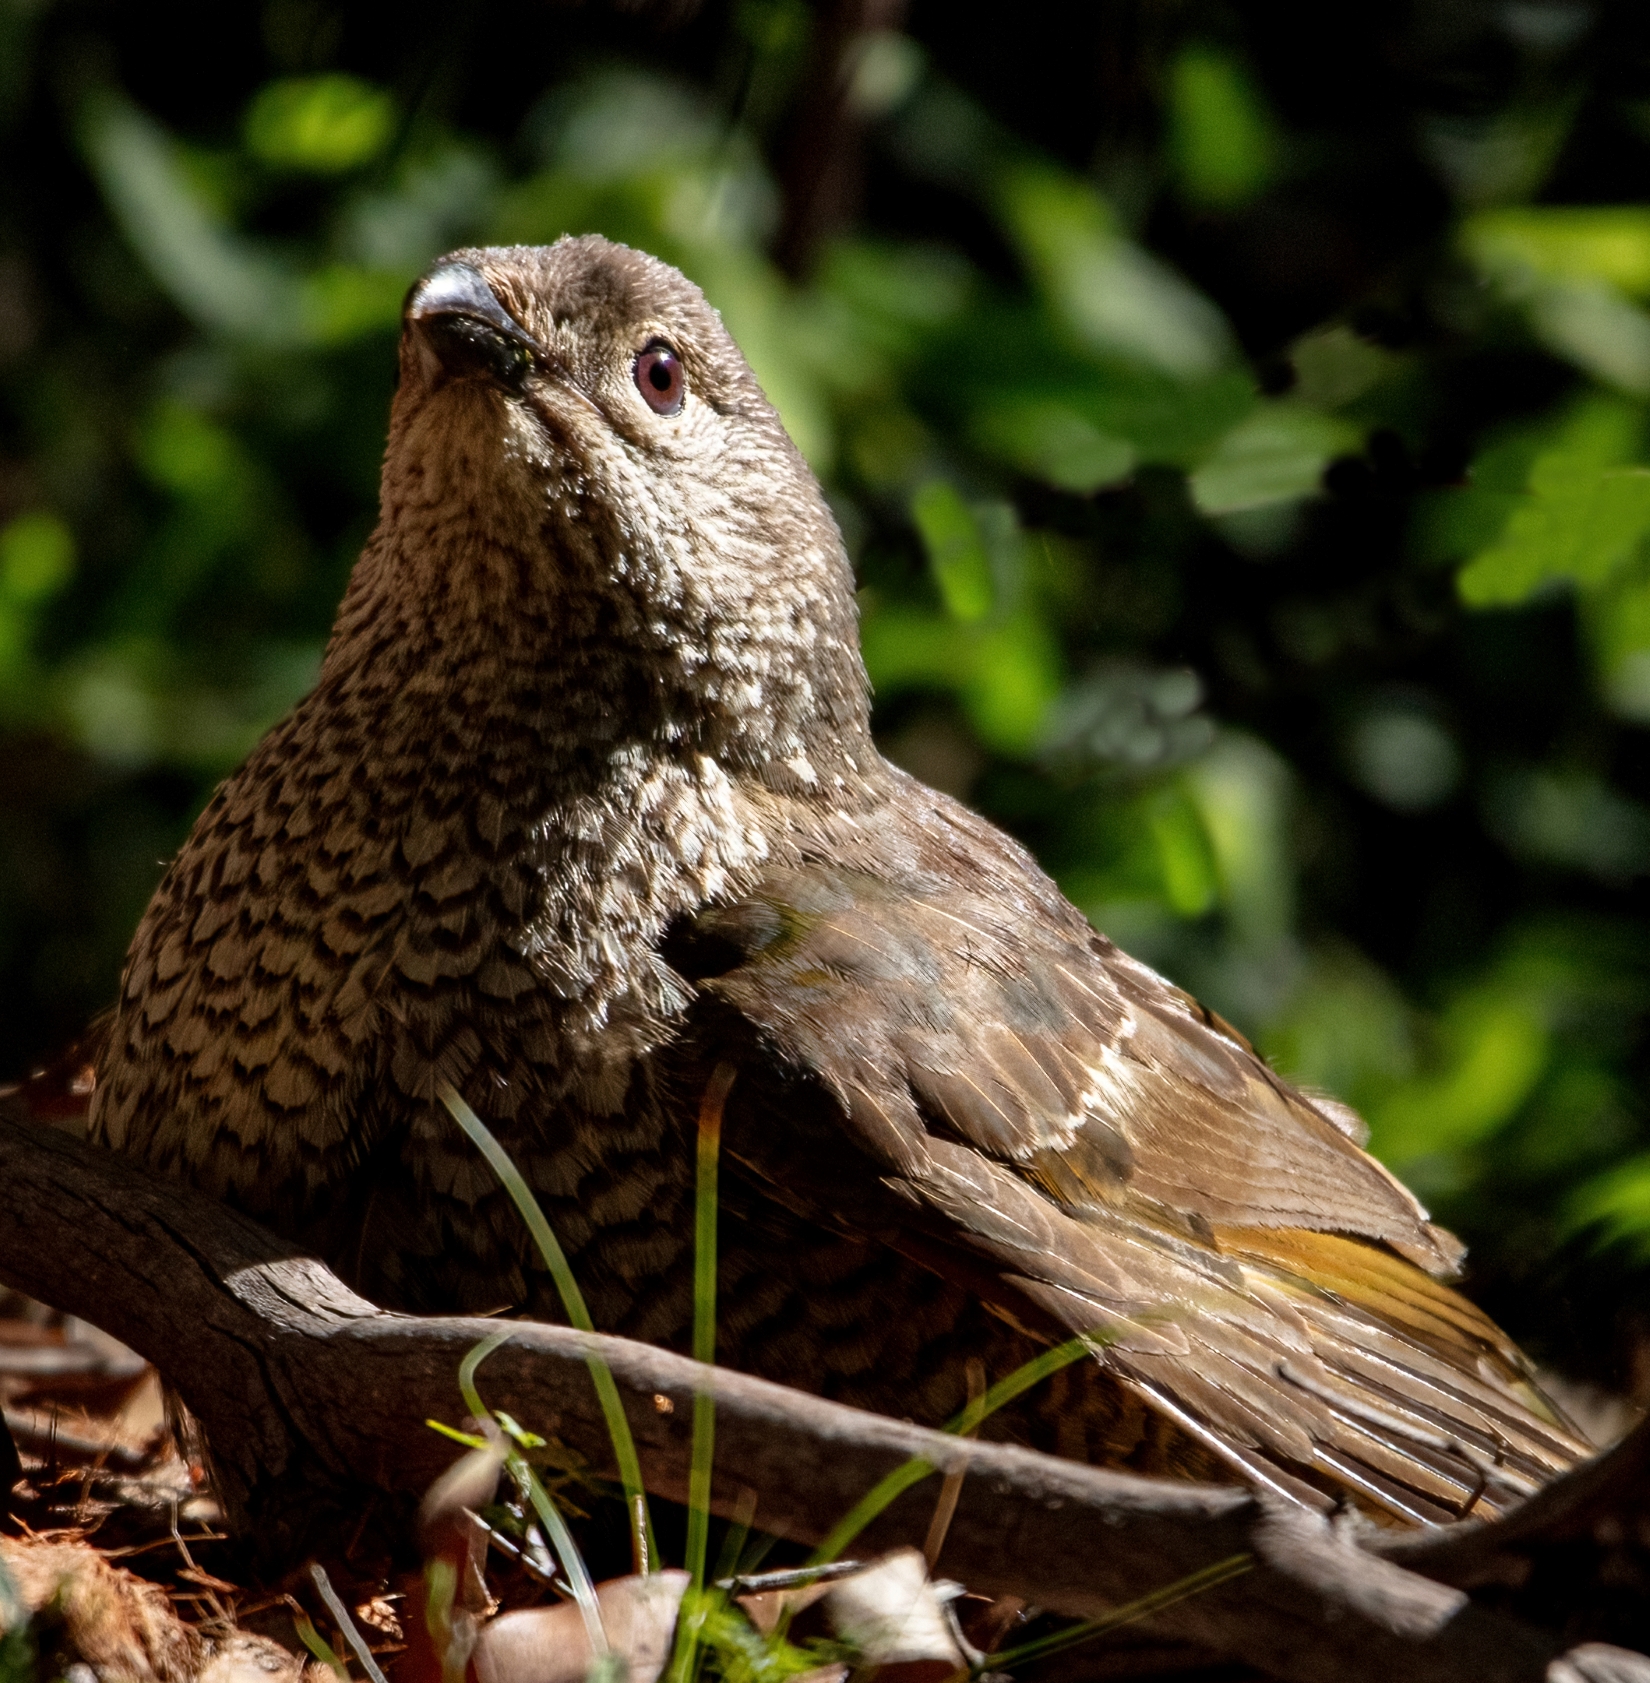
<point x="1245" y="458"/>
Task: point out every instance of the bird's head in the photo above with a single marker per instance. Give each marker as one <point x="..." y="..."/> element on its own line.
<point x="583" y="469"/>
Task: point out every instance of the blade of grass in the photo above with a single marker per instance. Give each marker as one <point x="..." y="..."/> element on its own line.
<point x="318" y="1645"/>
<point x="555" y="1259"/>
<point x="918" y="1467"/>
<point x="1194" y="1583"/>
<point x="704" y="1316"/>
<point x="733" y="1544"/>
<point x="696" y="1605"/>
<point x="527" y="1482"/>
<point x="453" y="1643"/>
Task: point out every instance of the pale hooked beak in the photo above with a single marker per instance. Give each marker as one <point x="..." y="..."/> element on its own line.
<point x="461" y="331"/>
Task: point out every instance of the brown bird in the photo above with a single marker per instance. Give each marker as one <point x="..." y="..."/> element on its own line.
<point x="585" y="805"/>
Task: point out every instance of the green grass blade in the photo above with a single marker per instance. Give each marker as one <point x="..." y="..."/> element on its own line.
<point x="704" y="1316"/>
<point x="567" y="1551"/>
<point x="318" y="1645"/>
<point x="555" y="1259"/>
<point x="1233" y="1566"/>
<point x="869" y="1506"/>
<point x="918" y="1468"/>
<point x="696" y="1606"/>
<point x="467" y="1373"/>
<point x="527" y="1481"/>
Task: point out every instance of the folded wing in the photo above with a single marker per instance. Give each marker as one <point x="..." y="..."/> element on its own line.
<point x="1115" y="1161"/>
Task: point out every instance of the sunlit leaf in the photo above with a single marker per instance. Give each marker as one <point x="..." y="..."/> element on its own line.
<point x="1616" y="1204"/>
<point x="1114" y="296"/>
<point x="1190" y="881"/>
<point x="1572" y="270"/>
<point x="1618" y="623"/>
<point x="214" y="276"/>
<point x="1609" y="243"/>
<point x="1277" y="454"/>
<point x="324" y="124"/>
<point x="909" y="648"/>
<point x="341" y="303"/>
<point x="1581" y="516"/>
<point x="1053" y="442"/>
<point x="1007" y="674"/>
<point x="1242" y="792"/>
<point x="1458" y="522"/>
<point x="1221" y="144"/>
<point x="1496" y="1044"/>
<point x="956" y="550"/>
<point x="1016" y="679"/>
<point x="37" y="554"/>
<point x="1597" y="329"/>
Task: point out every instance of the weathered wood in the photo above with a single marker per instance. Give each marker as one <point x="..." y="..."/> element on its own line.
<point x="310" y="1395"/>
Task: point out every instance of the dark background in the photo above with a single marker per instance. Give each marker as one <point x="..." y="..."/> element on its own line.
<point x="1235" y="431"/>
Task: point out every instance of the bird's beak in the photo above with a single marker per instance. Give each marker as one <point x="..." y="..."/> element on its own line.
<point x="459" y="330"/>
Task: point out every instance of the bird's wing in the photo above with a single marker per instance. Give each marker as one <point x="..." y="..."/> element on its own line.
<point x="1057" y="1119"/>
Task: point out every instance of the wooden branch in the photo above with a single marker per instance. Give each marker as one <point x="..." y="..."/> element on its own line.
<point x="309" y="1396"/>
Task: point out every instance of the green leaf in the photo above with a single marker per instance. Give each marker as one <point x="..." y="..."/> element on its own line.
<point x="1334" y="366"/>
<point x="1242" y="791"/>
<point x="1458" y="522"/>
<point x="1276" y="454"/>
<point x="1007" y="675"/>
<point x="1617" y="1203"/>
<point x="321" y="125"/>
<point x="1496" y="1043"/>
<point x="957" y="555"/>
<point x="1191" y="884"/>
<point x="1115" y="297"/>
<point x="911" y="648"/>
<point x="1609" y="243"/>
<point x="1016" y="681"/>
<point x="1618" y="624"/>
<point x="1222" y="145"/>
<point x="219" y="279"/>
<point x="1053" y="442"/>
<point x="1573" y="270"/>
<point x="341" y="303"/>
<point x="1581" y="516"/>
<point x="36" y="557"/>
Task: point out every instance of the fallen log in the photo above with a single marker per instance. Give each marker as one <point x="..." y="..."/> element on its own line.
<point x="310" y="1397"/>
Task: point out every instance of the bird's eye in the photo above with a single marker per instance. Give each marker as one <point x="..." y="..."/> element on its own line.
<point x="661" y="379"/>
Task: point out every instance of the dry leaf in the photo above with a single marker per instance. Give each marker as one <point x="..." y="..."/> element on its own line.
<point x="551" y="1645"/>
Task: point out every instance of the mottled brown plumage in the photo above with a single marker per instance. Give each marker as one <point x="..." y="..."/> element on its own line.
<point x="586" y="802"/>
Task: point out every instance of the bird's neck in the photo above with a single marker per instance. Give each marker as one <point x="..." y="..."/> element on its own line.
<point x="632" y="770"/>
<point x="593" y="667"/>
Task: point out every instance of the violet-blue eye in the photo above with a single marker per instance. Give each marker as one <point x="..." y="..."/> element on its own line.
<point x="661" y="379"/>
